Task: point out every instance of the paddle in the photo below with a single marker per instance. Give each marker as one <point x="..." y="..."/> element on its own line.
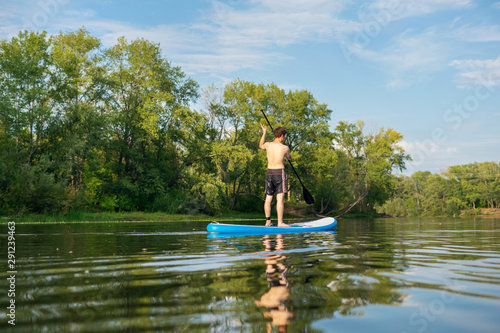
<point x="307" y="196"/>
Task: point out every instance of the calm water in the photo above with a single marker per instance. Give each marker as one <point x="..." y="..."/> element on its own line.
<point x="386" y="275"/>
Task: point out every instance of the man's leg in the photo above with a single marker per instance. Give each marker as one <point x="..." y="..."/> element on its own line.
<point x="267" y="209"/>
<point x="280" y="207"/>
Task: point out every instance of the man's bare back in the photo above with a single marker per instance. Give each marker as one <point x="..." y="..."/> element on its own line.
<point x="275" y="150"/>
<point x="275" y="154"/>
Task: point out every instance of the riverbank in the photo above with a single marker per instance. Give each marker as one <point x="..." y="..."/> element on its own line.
<point x="82" y="217"/>
<point x="494" y="212"/>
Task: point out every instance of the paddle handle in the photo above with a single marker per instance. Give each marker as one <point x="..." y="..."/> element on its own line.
<point x="261" y="110"/>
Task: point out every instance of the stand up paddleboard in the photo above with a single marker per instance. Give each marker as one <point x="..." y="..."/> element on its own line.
<point x="324" y="224"/>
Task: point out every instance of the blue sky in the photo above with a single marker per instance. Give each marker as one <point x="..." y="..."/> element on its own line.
<point x="429" y="69"/>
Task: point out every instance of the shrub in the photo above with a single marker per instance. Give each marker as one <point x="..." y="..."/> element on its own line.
<point x="34" y="189"/>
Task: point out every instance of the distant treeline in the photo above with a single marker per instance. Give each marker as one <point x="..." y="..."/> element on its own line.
<point x="462" y="187"/>
<point x="84" y="127"/>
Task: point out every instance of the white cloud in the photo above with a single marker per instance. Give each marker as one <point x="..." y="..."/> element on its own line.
<point x="8" y="17"/>
<point x="409" y="57"/>
<point x="415" y="51"/>
<point x="275" y="22"/>
<point x="233" y="35"/>
<point x="236" y="35"/>
<point x="428" y="147"/>
<point x="478" y="72"/>
<point x="398" y="9"/>
<point x="432" y="156"/>
<point x="412" y="56"/>
<point x="476" y="33"/>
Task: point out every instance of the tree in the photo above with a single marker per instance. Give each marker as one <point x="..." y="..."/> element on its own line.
<point x="78" y="123"/>
<point x="461" y="187"/>
<point x="147" y="106"/>
<point x="25" y="111"/>
<point x="382" y="155"/>
<point x="24" y="67"/>
<point x="370" y="158"/>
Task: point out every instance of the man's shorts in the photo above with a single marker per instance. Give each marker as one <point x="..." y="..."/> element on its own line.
<point x="276" y="181"/>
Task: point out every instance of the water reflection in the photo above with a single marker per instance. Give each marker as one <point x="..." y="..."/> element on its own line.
<point x="276" y="298"/>
<point x="397" y="275"/>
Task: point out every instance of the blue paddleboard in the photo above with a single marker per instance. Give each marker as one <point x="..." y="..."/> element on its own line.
<point x="324" y="224"/>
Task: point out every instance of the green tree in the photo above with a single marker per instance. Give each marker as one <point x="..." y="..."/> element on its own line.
<point x="25" y="111"/>
<point x="148" y="101"/>
<point x="383" y="154"/>
<point x="414" y="187"/>
<point x="25" y="74"/>
<point x="78" y="123"/>
<point x="371" y="159"/>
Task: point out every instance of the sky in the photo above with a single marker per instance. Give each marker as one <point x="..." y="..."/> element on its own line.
<point x="429" y="69"/>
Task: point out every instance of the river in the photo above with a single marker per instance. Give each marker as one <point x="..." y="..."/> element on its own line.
<point x="383" y="275"/>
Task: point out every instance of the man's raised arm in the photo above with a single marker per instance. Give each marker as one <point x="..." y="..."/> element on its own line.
<point x="263" y="137"/>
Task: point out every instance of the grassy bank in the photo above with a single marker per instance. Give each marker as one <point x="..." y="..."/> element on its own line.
<point x="85" y="216"/>
<point x="81" y="216"/>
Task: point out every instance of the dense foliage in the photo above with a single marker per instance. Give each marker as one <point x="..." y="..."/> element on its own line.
<point x="83" y="127"/>
<point x="461" y="188"/>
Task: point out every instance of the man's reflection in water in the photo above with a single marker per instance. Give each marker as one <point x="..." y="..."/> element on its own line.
<point x="276" y="298"/>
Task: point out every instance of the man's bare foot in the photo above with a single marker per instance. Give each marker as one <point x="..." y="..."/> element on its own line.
<point x="283" y="225"/>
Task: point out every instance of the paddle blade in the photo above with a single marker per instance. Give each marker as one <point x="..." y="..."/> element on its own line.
<point x="307" y="196"/>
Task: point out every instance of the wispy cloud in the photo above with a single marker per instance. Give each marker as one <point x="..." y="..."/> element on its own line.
<point x="235" y="35"/>
<point x="9" y="22"/>
<point x="429" y="154"/>
<point x="428" y="147"/>
<point x="238" y="37"/>
<point x="399" y="9"/>
<point x="476" y="33"/>
<point x="432" y="156"/>
<point x="417" y="53"/>
<point x="410" y="56"/>
<point x="231" y="36"/>
<point x="478" y="72"/>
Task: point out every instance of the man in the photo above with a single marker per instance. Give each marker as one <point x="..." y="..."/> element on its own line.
<point x="276" y="176"/>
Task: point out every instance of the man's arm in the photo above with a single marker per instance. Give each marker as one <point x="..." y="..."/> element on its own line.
<point x="263" y="137"/>
<point x="287" y="154"/>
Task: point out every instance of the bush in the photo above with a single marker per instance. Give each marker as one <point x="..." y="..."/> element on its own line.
<point x="452" y="209"/>
<point x="109" y="202"/>
<point x="169" y="203"/>
<point x="249" y="204"/>
<point x="125" y="203"/>
<point x="472" y="212"/>
<point x="393" y="207"/>
<point x="34" y="189"/>
<point x="192" y="206"/>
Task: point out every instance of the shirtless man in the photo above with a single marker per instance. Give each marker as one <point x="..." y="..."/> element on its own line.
<point x="276" y="176"/>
